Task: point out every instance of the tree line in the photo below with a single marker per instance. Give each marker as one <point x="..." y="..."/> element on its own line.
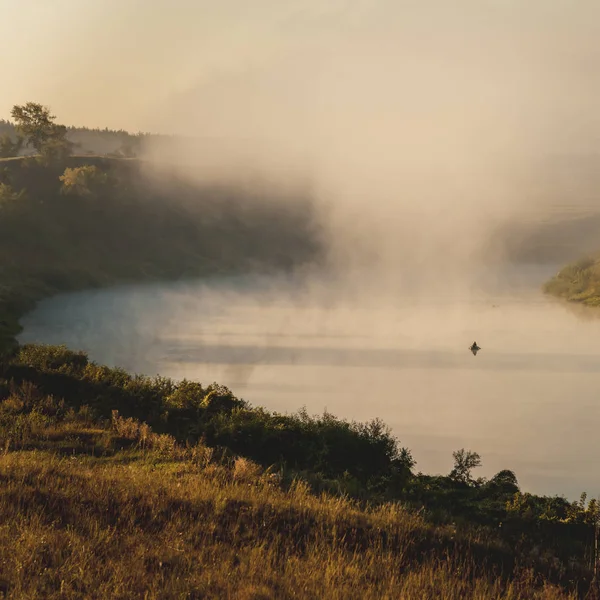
<point x="34" y="130"/>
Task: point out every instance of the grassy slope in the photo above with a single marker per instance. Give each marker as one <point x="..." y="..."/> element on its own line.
<point x="578" y="282"/>
<point x="135" y="228"/>
<point x="108" y="509"/>
<point x="144" y="525"/>
<point x="96" y="504"/>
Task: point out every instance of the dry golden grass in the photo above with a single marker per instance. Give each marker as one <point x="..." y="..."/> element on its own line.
<point x="99" y="508"/>
<point x="139" y="525"/>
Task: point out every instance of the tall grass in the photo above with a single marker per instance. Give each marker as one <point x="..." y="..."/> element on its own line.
<point x="95" y="506"/>
<point x="138" y="526"/>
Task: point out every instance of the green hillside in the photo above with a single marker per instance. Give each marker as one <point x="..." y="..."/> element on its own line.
<point x="116" y="221"/>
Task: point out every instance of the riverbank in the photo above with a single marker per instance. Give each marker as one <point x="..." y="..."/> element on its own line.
<point x="109" y="481"/>
<point x="111" y="223"/>
<point x="577" y="282"/>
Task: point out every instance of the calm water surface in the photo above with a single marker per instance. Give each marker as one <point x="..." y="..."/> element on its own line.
<point x="529" y="401"/>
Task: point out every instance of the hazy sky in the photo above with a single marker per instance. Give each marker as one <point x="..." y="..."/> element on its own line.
<point x="411" y="105"/>
<point x="116" y="61"/>
<point x="214" y="66"/>
<point x="414" y="106"/>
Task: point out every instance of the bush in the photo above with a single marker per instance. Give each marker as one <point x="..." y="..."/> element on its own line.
<point x="504" y="481"/>
<point x="324" y="445"/>
<point x="52" y="358"/>
<point x="88" y="180"/>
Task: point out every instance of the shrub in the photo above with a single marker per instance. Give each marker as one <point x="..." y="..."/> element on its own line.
<point x="504" y="481"/>
<point x="88" y="180"/>
<point x="51" y="358"/>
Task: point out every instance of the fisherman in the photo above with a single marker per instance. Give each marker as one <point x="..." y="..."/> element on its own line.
<point x="474" y="348"/>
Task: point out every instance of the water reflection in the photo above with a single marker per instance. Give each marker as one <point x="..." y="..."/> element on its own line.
<point x="527" y="401"/>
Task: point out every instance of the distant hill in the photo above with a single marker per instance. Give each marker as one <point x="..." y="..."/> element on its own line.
<point x="119" y="220"/>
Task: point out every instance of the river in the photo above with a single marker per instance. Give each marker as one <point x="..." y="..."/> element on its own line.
<point x="527" y="402"/>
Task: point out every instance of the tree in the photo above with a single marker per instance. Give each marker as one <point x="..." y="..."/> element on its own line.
<point x="35" y="122"/>
<point x="88" y="180"/>
<point x="57" y="147"/>
<point x="505" y="481"/>
<point x="464" y="462"/>
<point x="577" y="512"/>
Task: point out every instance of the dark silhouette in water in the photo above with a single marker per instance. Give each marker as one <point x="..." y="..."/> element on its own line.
<point x="474" y="348"/>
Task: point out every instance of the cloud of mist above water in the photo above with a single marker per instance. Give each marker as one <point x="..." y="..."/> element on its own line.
<point x="421" y="127"/>
<point x="425" y="129"/>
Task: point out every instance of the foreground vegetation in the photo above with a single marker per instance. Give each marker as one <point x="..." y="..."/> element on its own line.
<point x="144" y="525"/>
<point x="122" y="486"/>
<point x="578" y="282"/>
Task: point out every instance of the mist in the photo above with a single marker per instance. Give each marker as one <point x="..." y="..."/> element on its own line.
<point x="425" y="131"/>
<point x="449" y="152"/>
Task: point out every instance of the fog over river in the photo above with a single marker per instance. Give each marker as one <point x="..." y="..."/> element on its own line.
<point x="529" y="401"/>
<point x="437" y="142"/>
